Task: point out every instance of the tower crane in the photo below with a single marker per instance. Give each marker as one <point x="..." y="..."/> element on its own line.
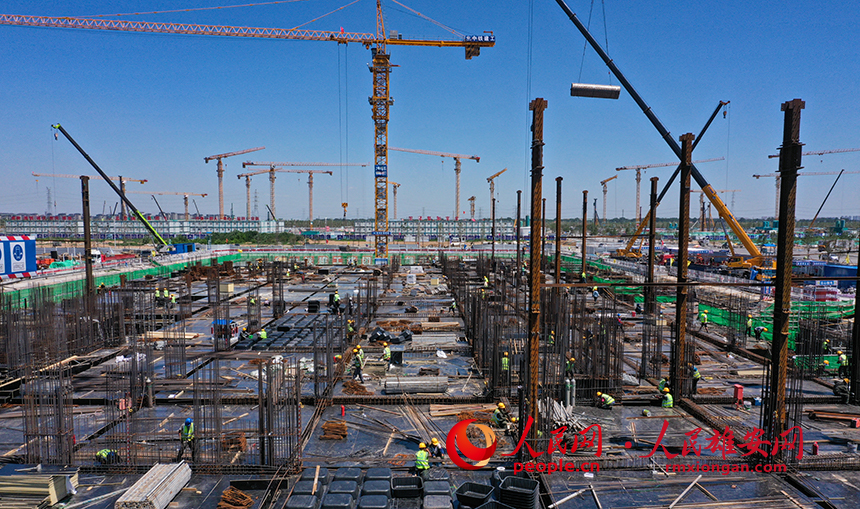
<point x="122" y="180"/>
<point x="472" y="207"/>
<point x="381" y="67"/>
<point x="219" y="157"/>
<point x="394" y="186"/>
<point x="457" y="158"/>
<point x="271" y="171"/>
<point x="639" y="169"/>
<point x="605" y="189"/>
<point x="184" y="196"/>
<point x="808" y="173"/>
<point x="491" y="179"/>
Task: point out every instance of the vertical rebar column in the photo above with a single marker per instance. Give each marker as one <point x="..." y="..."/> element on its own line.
<point x="789" y="163"/>
<point x="543" y="232"/>
<point x="584" y="229"/>
<point x="537" y="106"/>
<point x="678" y="370"/>
<point x="493" y="241"/>
<point x="517" y="272"/>
<point x="650" y="301"/>
<point x="558" y="230"/>
<point x="88" y="259"/>
<point x="855" y="347"/>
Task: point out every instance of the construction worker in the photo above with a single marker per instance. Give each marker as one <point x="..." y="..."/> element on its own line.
<point x="663" y="384"/>
<point x="840" y="388"/>
<point x="582" y="278"/>
<point x="483" y="294"/>
<point x="350" y="328"/>
<point x="435" y="450"/>
<point x="668" y="402"/>
<point x="253" y="301"/>
<point x="758" y="331"/>
<point x="703" y="318"/>
<point x="486" y="282"/>
<point x="696" y="377"/>
<point x="605" y="401"/>
<point x="638" y="308"/>
<point x="551" y="338"/>
<point x="453" y="307"/>
<point x="749" y="325"/>
<point x="386" y="355"/>
<point x="826" y="346"/>
<point x="422" y="460"/>
<point x="361" y="354"/>
<point x="842" y="362"/>
<point x="595" y="294"/>
<point x="158" y="296"/>
<point x="500" y="417"/>
<point x="570" y="367"/>
<point x="506" y="364"/>
<point x="102" y="288"/>
<point x="821" y="368"/>
<point x="108" y="457"/>
<point x="186" y="439"/>
<point x="263" y="334"/>
<point x="172" y="300"/>
<point x="357" y="366"/>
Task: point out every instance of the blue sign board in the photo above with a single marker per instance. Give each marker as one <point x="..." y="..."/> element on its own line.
<point x="17" y="256"/>
<point x="381" y="170"/>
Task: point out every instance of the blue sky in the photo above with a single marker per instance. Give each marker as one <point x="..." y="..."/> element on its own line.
<point x="152" y="106"/>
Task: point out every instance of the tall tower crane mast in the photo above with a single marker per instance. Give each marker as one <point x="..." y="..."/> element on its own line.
<point x="122" y="180"/>
<point x="639" y="169"/>
<point x="457" y="158"/>
<point x="492" y="180"/>
<point x="472" y="206"/>
<point x="219" y="157"/>
<point x="184" y="196"/>
<point x="605" y="189"/>
<point x="380" y="101"/>
<point x="394" y="186"/>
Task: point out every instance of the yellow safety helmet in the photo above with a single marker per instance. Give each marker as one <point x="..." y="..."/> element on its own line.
<point x="355" y="350"/>
<point x="573" y="358"/>
<point x="501" y="405"/>
<point x="514" y="419"/>
<point x="665" y="389"/>
<point x="765" y="329"/>
<point x="839" y="352"/>
<point x="749" y="316"/>
<point x="434" y="441"/>
<point x="506" y="354"/>
<point x="384" y="343"/>
<point x="595" y="288"/>
<point x="422" y="445"/>
<point x="359" y="347"/>
<point x="845" y="380"/>
<point x="599" y="394"/>
<point x="826" y="363"/>
<point x="705" y="311"/>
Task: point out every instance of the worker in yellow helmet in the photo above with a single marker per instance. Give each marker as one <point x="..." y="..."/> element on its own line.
<point x="357" y="366"/>
<point x="703" y="319"/>
<point x="386" y="355"/>
<point x="758" y="331"/>
<point x="422" y="459"/>
<point x="668" y="401"/>
<point x="749" y="325"/>
<point x="570" y="367"/>
<point x="500" y="416"/>
<point x="435" y="450"/>
<point x="840" y="388"/>
<point x="605" y="401"/>
<point x="842" y="362"/>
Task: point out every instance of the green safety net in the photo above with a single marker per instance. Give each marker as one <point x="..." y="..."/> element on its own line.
<point x="799" y="309"/>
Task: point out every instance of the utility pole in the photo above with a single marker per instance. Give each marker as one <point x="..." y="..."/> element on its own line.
<point x="537" y="107"/>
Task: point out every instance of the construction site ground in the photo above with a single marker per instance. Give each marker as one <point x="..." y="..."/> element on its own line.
<point x="383" y="429"/>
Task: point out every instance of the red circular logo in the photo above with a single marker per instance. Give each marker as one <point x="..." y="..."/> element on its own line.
<point x="457" y="438"/>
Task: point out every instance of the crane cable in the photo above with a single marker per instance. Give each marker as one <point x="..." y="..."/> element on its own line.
<point x="605" y="38"/>
<point x="193" y="9"/>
